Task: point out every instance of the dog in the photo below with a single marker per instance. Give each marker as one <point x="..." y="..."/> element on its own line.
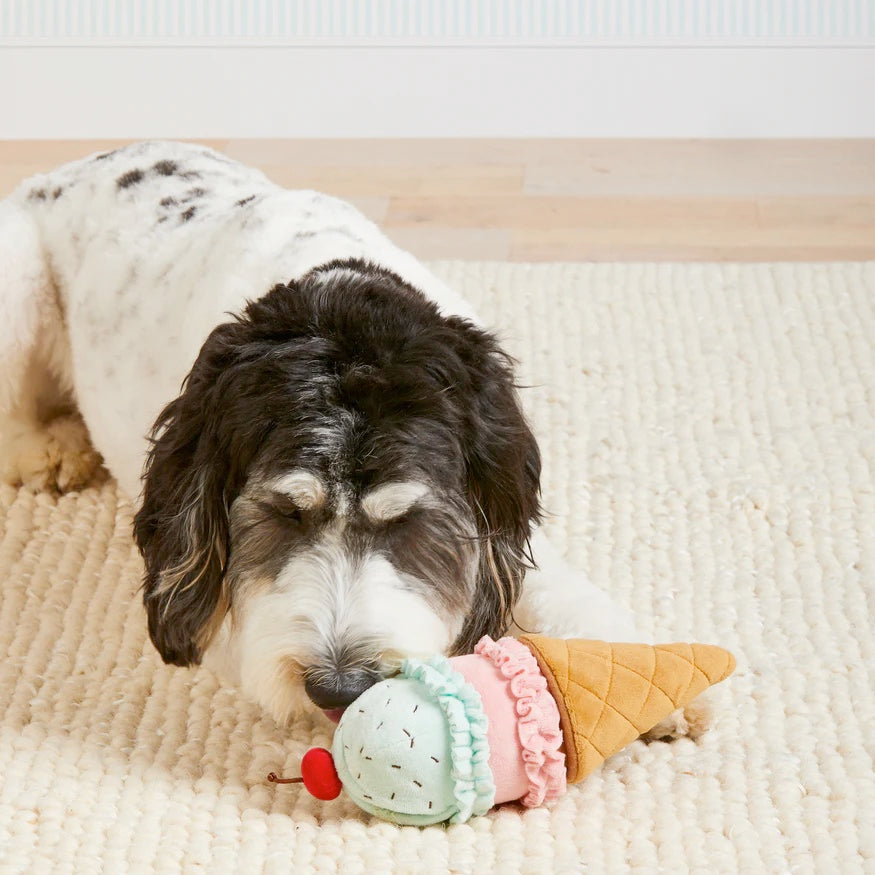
<point x="328" y="461"/>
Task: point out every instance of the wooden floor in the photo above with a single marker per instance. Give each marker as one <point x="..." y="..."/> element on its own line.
<point x="550" y="200"/>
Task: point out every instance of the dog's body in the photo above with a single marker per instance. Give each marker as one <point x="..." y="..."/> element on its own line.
<point x="346" y="476"/>
<point x="145" y="263"/>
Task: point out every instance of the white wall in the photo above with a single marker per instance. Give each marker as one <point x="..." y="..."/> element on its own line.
<point x="347" y="68"/>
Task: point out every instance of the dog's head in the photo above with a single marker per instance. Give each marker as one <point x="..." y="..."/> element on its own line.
<point x="346" y="479"/>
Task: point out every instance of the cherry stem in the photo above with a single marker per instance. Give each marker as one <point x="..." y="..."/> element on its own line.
<point x="277" y="780"/>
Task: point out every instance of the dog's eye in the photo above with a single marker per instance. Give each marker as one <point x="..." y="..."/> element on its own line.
<point x="285" y="509"/>
<point x="412" y="514"/>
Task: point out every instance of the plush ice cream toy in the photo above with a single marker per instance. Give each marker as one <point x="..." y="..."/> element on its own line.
<point x="515" y="721"/>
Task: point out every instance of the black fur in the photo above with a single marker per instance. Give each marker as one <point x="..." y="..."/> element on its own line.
<point x="132" y="177"/>
<point x="165" y="168"/>
<point x="410" y="393"/>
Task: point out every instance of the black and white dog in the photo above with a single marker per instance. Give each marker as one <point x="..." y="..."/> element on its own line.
<point x="339" y="472"/>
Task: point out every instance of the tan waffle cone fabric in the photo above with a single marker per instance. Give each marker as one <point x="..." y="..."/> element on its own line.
<point x="708" y="437"/>
<point x="609" y="694"/>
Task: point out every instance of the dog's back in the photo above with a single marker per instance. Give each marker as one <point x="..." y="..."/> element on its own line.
<point x="147" y="249"/>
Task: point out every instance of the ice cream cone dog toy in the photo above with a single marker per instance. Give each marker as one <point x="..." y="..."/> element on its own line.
<point x="515" y="721"/>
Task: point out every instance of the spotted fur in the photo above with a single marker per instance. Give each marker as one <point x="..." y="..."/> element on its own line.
<point x="219" y="333"/>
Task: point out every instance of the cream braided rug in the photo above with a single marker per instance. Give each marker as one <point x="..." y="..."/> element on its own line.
<point x="709" y="442"/>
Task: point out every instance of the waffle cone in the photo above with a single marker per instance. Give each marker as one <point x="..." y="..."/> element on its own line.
<point x="609" y="694"/>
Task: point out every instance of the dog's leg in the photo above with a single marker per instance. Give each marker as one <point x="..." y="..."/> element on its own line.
<point x="34" y="368"/>
<point x="691" y="721"/>
<point x="559" y="601"/>
<point x="562" y="602"/>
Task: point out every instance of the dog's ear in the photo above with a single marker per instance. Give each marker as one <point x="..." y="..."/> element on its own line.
<point x="503" y="482"/>
<point x="193" y="469"/>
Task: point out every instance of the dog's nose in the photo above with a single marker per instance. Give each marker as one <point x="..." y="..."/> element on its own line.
<point x="337" y="690"/>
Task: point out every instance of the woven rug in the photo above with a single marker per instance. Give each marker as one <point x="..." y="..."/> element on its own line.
<point x="708" y="434"/>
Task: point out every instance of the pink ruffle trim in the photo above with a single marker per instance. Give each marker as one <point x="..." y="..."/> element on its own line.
<point x="538" y="725"/>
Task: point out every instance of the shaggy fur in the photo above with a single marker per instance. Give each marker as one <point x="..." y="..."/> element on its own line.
<point x="359" y="382"/>
<point x="325" y="447"/>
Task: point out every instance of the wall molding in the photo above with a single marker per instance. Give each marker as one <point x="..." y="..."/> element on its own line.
<point x="462" y="68"/>
<point x="113" y="92"/>
<point x="477" y="23"/>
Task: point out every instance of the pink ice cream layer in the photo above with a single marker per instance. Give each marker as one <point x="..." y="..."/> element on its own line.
<point x="524" y="734"/>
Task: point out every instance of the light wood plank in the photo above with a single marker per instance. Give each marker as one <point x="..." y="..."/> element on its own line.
<point x="389" y="153"/>
<point x="473" y="244"/>
<point x="571" y="199"/>
<point x="853" y="213"/>
<point x="527" y="248"/>
<point x="548" y="212"/>
<point x="690" y="244"/>
<point x="425" y="180"/>
<point x="729" y="232"/>
<point x="708" y="168"/>
<point x="375" y="208"/>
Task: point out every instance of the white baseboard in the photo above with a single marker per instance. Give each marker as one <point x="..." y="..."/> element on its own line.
<point x="57" y="92"/>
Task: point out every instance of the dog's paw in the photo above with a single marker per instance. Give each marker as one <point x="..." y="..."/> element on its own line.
<point x="689" y="722"/>
<point x="77" y="460"/>
<point x="57" y="456"/>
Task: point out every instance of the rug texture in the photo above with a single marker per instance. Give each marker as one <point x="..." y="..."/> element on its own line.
<point x="708" y="434"/>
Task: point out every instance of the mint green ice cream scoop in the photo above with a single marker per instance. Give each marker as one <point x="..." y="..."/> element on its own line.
<point x="413" y="749"/>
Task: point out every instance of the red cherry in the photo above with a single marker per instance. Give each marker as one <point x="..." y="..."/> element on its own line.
<point x="319" y="774"/>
